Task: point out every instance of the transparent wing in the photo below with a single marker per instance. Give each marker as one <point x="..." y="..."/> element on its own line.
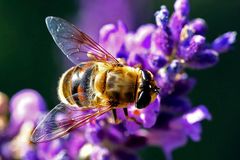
<point x="76" y="45"/>
<point x="64" y="118"/>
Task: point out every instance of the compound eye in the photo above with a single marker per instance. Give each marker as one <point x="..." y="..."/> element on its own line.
<point x="146" y="75"/>
<point x="144" y="99"/>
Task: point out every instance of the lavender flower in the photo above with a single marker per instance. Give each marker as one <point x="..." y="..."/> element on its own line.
<point x="167" y="49"/>
<point x="25" y="108"/>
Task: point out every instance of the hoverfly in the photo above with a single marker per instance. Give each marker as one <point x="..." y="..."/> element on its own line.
<point x="98" y="83"/>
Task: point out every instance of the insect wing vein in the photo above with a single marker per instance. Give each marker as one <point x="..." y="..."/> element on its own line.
<point x="75" y="44"/>
<point x="63" y="118"/>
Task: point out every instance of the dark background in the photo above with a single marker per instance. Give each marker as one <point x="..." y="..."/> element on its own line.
<point x="29" y="59"/>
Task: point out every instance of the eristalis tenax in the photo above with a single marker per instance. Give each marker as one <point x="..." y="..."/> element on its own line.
<point x="98" y="83"/>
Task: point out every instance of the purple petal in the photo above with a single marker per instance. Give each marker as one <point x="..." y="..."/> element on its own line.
<point x="150" y="113"/>
<point x="130" y="43"/>
<point x="112" y="37"/>
<point x="162" y="16"/>
<point x="147" y="116"/>
<point x="224" y="42"/>
<point x="197" y="114"/>
<point x="136" y="44"/>
<point x="204" y="59"/>
<point x="143" y="35"/>
<point x="130" y="126"/>
<point x="199" y="25"/>
<point x="106" y="31"/>
<point x="182" y="6"/>
<point x="189" y="122"/>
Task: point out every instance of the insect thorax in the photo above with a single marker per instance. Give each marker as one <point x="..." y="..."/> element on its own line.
<point x="121" y="85"/>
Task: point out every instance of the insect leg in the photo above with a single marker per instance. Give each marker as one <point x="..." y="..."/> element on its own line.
<point x="130" y="118"/>
<point x="116" y="120"/>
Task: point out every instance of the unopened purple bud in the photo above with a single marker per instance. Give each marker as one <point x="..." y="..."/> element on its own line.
<point x="224" y="42"/>
<point x="182" y="6"/>
<point x="199" y="25"/>
<point x="204" y="59"/>
<point x="176" y="23"/>
<point x="26" y="105"/>
<point x="162" y="42"/>
<point x="194" y="45"/>
<point x="161" y="17"/>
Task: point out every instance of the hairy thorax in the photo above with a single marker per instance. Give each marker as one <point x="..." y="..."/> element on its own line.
<point x="116" y="84"/>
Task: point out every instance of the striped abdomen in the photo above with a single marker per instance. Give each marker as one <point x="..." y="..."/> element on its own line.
<point x="99" y="84"/>
<point x="75" y="85"/>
